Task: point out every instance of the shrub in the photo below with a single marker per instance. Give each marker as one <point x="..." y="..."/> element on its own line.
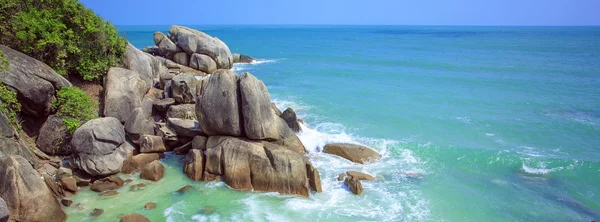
<point x="75" y="106"/>
<point x="3" y="61"/>
<point x="62" y="33"/>
<point x="9" y="105"/>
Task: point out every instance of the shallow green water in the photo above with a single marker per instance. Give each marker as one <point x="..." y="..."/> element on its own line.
<point x="502" y="124"/>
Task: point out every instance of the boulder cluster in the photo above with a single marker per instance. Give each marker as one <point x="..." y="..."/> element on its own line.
<point x="178" y="96"/>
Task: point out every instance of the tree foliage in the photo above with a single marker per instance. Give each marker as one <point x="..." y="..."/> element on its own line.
<point x="9" y="105"/>
<point x="75" y="106"/>
<point x="62" y="33"/>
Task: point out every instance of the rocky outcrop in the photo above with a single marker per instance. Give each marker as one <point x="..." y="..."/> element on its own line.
<point x="250" y="165"/>
<point x="354" y="185"/>
<point x="199" y="143"/>
<point x="194" y="164"/>
<point x="183" y="88"/>
<point x="153" y="171"/>
<point x="164" y="104"/>
<point x="35" y="82"/>
<point x="133" y="217"/>
<point x="182" y="58"/>
<point x="26" y="195"/>
<point x="193" y="41"/>
<point x="158" y="37"/>
<point x="99" y="146"/>
<point x="203" y="63"/>
<point x="241" y="107"/>
<point x="139" y="123"/>
<point x="353" y="152"/>
<point x="54" y="138"/>
<point x="124" y="91"/>
<point x="240" y="58"/>
<point x="112" y="182"/>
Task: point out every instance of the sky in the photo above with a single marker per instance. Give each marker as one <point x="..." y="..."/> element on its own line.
<point x="349" y="12"/>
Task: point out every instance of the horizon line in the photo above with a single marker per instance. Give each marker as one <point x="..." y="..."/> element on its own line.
<point x="298" y="24"/>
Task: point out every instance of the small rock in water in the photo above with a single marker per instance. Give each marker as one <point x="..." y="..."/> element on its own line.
<point x="128" y="180"/>
<point x="341" y="176"/>
<point x="66" y="202"/>
<point x="360" y="175"/>
<point x="208" y="210"/>
<point x="354" y="185"/>
<point x="96" y="212"/>
<point x="108" y="193"/>
<point x="183" y="189"/>
<point x="136" y="187"/>
<point x="133" y="217"/>
<point x="150" y="205"/>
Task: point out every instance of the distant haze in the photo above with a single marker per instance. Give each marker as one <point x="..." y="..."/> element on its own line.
<point x="371" y="12"/>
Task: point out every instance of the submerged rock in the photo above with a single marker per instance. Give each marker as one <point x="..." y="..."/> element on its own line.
<point x="184" y="189"/>
<point x="66" y="202"/>
<point x="150" y="205"/>
<point x="133" y="217"/>
<point x="137" y="187"/>
<point x="96" y="212"/>
<point x="112" y="182"/>
<point x="353" y="152"/>
<point x="108" y="193"/>
<point x="27" y="196"/>
<point x="360" y="175"/>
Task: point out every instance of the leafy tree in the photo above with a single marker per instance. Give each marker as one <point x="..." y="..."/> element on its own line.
<point x="9" y="105"/>
<point x="62" y="33"/>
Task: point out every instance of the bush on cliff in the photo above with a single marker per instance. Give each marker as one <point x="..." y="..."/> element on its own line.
<point x="9" y="105"/>
<point x="62" y="33"/>
<point x="75" y="105"/>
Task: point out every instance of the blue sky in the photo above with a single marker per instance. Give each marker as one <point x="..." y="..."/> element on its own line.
<point x="383" y="12"/>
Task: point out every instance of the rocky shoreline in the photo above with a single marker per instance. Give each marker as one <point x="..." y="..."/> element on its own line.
<point x="178" y="96"/>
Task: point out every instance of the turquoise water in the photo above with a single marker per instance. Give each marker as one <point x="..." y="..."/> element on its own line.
<point x="474" y="123"/>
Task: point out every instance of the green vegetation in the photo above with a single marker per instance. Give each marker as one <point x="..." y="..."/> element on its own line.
<point x="3" y="61"/>
<point x="9" y="105"/>
<point x="62" y="33"/>
<point x="76" y="106"/>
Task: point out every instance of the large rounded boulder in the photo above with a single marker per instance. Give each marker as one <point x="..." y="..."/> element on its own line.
<point x="27" y="196"/>
<point x="194" y="41"/>
<point x="218" y="108"/>
<point x="35" y="82"/>
<point x="99" y="146"/>
<point x="147" y="66"/>
<point x="124" y="91"/>
<point x="353" y="152"/>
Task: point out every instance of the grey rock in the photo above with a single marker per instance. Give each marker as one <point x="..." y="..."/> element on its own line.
<point x="152" y="144"/>
<point x="185" y="127"/>
<point x="199" y="143"/>
<point x="10" y="144"/>
<point x="194" y="164"/>
<point x="203" y="63"/>
<point x="158" y="37"/>
<point x="112" y="182"/>
<point x="139" y="123"/>
<point x="3" y="211"/>
<point x="194" y="41"/>
<point x="54" y="138"/>
<point x="152" y="50"/>
<point x="241" y="58"/>
<point x="218" y="109"/>
<point x="35" y="82"/>
<point x="99" y="146"/>
<point x="164" y="104"/>
<point x="260" y="122"/>
<point x="27" y="196"/>
<point x="124" y="91"/>
<point x="166" y="47"/>
<point x="290" y="118"/>
<point x="183" y="88"/>
<point x="181" y="58"/>
<point x="147" y="66"/>
<point x="276" y="109"/>
<point x="183" y="111"/>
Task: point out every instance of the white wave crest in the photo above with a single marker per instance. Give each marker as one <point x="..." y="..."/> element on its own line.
<point x="540" y="171"/>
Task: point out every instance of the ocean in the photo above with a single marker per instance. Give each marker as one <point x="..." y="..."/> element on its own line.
<point x="473" y="123"/>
